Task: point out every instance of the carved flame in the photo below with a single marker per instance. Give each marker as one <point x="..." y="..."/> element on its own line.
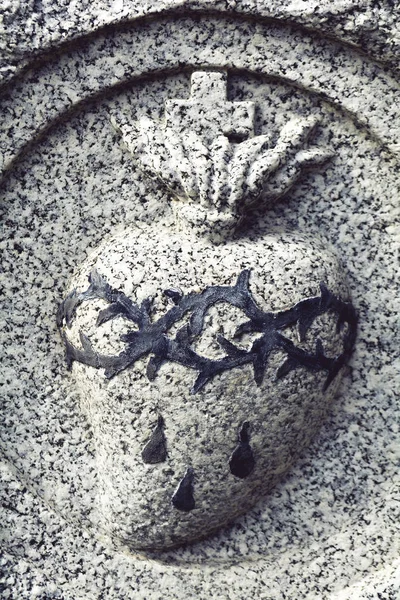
<point x="223" y="178"/>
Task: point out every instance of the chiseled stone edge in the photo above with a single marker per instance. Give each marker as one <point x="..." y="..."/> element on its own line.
<point x="98" y="63"/>
<point x="32" y="29"/>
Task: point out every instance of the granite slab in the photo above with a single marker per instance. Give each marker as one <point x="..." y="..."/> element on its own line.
<point x="329" y="530"/>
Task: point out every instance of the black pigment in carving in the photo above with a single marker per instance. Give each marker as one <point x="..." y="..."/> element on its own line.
<point x="183" y="498"/>
<point x="155" y="451"/>
<point x="242" y="462"/>
<point x="175" y="294"/>
<point x="150" y="337"/>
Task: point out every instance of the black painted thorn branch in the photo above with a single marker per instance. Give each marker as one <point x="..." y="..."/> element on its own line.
<point x="120" y="305"/>
<point x="150" y="337"/>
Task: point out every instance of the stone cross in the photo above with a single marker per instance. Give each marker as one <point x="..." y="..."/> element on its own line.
<point x="208" y="112"/>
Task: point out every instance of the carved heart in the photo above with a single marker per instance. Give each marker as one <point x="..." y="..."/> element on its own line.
<point x="204" y="370"/>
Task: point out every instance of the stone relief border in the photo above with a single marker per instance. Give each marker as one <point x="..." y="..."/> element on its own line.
<point x="26" y="85"/>
<point x="90" y="67"/>
<point x="30" y="28"/>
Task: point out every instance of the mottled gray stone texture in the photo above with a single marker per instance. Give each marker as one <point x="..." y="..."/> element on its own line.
<point x="86" y="506"/>
<point x="200" y="426"/>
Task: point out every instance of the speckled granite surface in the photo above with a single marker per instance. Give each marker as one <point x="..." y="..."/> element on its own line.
<point x="329" y="530"/>
<point x="202" y="408"/>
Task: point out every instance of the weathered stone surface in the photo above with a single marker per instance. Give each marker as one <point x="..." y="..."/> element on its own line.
<point x="203" y="405"/>
<point x="203" y="288"/>
<point x="329" y="529"/>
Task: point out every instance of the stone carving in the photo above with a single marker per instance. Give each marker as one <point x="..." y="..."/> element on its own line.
<point x="150" y="337"/>
<point x="200" y="302"/>
<point x="83" y="455"/>
<point x="208" y="155"/>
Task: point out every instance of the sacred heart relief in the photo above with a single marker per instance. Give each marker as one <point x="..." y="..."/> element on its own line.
<point x="206" y="356"/>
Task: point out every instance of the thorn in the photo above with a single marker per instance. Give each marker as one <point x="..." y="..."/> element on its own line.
<point x="60" y="315"/>
<point x="69" y="355"/>
<point x="340" y="323"/>
<point x="147" y="304"/>
<point x="130" y="337"/>
<point x="153" y="366"/>
<point x="69" y="307"/>
<point x="183" y="335"/>
<point x="109" y="373"/>
<point x="160" y="347"/>
<point x="95" y="278"/>
<point x="246" y="327"/>
<point x="200" y="382"/>
<point x="155" y="450"/>
<point x="326" y="296"/>
<point x="86" y="344"/>
<point x="302" y="327"/>
<point x="108" y="313"/>
<point x="285" y="368"/>
<point x="230" y="348"/>
<point x="331" y="376"/>
<point x="242" y="461"/>
<point x="174" y="294"/>
<point x="196" y="322"/>
<point x="243" y="280"/>
<point x="259" y="370"/>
